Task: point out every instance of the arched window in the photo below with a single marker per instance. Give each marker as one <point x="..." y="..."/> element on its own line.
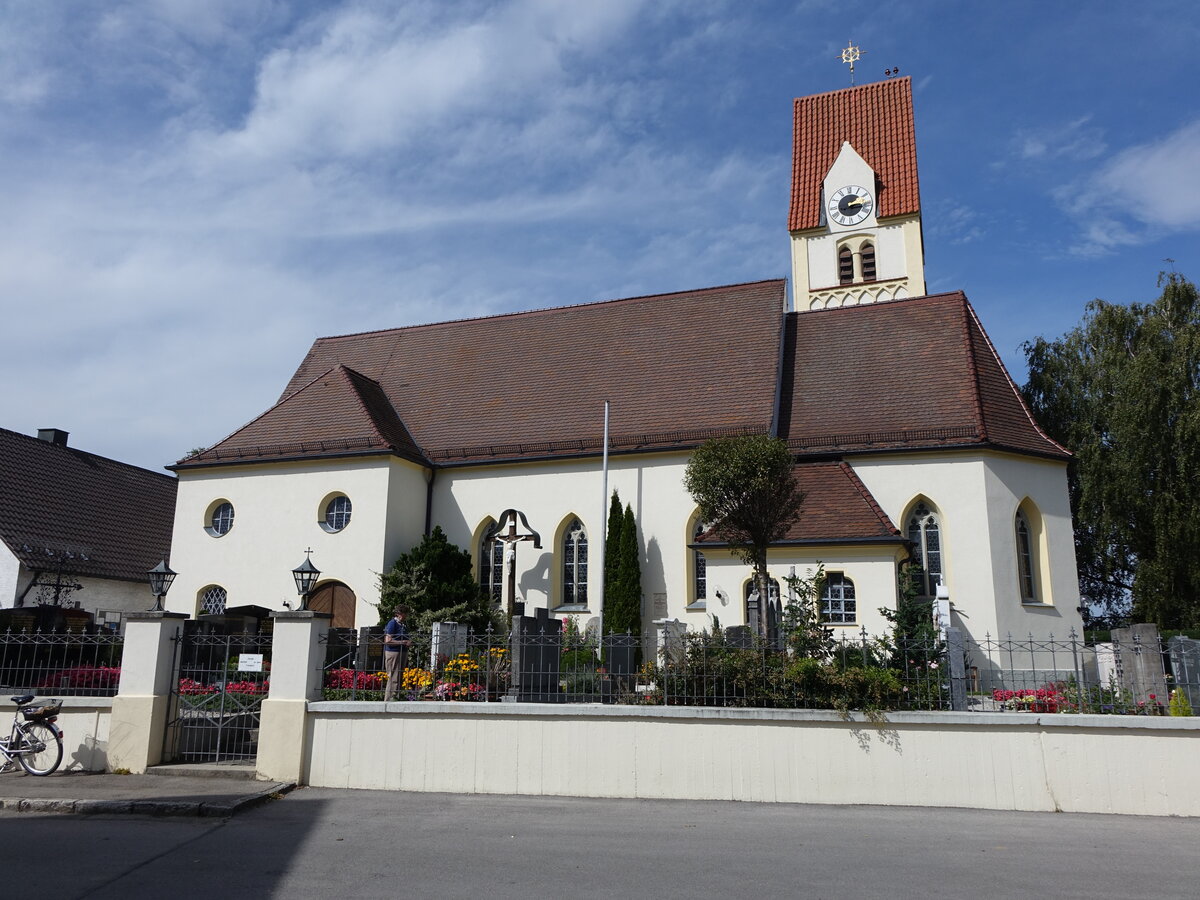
<point x="337" y="514"/>
<point x="838" y="606"/>
<point x="925" y="533"/>
<point x="491" y="568"/>
<point x="845" y="266"/>
<point x="212" y="600"/>
<point x="868" y="262"/>
<point x="699" y="596"/>
<point x="574" y="571"/>
<point x="1025" y="559"/>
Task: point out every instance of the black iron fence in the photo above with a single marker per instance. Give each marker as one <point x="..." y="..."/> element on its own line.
<point x="728" y="668"/>
<point x="64" y="664"/>
<point x="1130" y="676"/>
<point x="217" y="697"/>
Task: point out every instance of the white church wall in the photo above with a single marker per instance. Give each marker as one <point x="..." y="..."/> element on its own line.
<point x="551" y="492"/>
<point x="872" y="568"/>
<point x="408" y="493"/>
<point x="1011" y="481"/>
<point x="277" y="513"/>
<point x="975" y="496"/>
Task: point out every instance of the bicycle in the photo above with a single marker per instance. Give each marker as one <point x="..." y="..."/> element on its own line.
<point x="36" y="743"/>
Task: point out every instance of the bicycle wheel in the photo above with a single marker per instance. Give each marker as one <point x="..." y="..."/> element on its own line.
<point x="41" y="750"/>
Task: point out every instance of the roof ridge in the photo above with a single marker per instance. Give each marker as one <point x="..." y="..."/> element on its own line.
<point x="1012" y="384"/>
<point x="868" y="497"/>
<point x="549" y="309"/>
<point x="78" y="452"/>
<point x="351" y="376"/>
<point x="274" y="406"/>
<point x="973" y="372"/>
<point x="853" y="87"/>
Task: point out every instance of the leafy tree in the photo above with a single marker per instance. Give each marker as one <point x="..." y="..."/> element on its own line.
<point x="1120" y="392"/>
<point x="434" y="581"/>
<point x="746" y="487"/>
<point x="806" y="635"/>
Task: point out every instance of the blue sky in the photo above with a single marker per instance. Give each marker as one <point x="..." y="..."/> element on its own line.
<point x="191" y="191"/>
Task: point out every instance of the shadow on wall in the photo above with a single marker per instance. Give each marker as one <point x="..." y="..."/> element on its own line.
<point x="536" y="577"/>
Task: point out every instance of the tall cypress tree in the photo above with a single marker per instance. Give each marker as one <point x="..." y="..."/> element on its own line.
<point x="612" y="555"/>
<point x="629" y="574"/>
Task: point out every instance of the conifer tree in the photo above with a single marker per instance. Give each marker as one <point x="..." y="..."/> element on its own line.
<point x="627" y="613"/>
<point x="612" y="553"/>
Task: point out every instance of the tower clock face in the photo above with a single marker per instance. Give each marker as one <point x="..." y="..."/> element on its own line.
<point x="850" y="205"/>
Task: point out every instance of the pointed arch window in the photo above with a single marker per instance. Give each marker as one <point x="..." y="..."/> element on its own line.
<point x="491" y="568"/>
<point x="868" y="262"/>
<point x="845" y="266"/>
<point x="1025" y="559"/>
<point x="699" y="569"/>
<point x="925" y="532"/>
<point x="575" y="563"/>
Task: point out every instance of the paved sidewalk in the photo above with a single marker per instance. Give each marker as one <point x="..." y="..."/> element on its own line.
<point x="198" y="793"/>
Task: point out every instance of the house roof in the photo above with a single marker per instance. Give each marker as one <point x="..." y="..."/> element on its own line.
<point x="905" y="374"/>
<point x="837" y="508"/>
<point x="94" y="516"/>
<point x="877" y="120"/>
<point x="338" y="412"/>
<point x="677" y="369"/>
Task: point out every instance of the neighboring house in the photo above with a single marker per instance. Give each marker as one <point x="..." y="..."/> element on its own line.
<point x="910" y="438"/>
<point x="77" y="529"/>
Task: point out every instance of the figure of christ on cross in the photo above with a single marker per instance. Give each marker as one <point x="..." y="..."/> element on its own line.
<point x="510" y="539"/>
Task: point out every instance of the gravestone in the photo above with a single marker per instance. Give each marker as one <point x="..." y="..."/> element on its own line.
<point x="535" y="650"/>
<point x="1185" y="667"/>
<point x="669" y="643"/>
<point x="739" y="637"/>
<point x="447" y="641"/>
<point x="1140" y="670"/>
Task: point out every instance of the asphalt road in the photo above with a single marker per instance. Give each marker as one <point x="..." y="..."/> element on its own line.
<point x="323" y="843"/>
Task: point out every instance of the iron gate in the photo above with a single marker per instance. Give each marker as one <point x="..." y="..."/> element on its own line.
<point x="221" y="680"/>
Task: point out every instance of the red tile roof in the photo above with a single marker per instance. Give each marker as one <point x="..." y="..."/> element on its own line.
<point x="877" y="120"/>
<point x="94" y="516"/>
<point x="904" y="374"/>
<point x="340" y="412"/>
<point x="837" y="508"/>
<point x="677" y="369"/>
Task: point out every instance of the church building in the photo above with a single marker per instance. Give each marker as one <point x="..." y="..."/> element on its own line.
<point x="910" y="438"/>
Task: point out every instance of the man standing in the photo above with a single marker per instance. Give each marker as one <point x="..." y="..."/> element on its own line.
<point x="395" y="653"/>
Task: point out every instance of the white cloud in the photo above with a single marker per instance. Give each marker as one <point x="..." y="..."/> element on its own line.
<point x="1140" y="194"/>
<point x="1075" y="140"/>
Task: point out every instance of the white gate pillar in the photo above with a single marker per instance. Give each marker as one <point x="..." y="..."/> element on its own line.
<point x="297" y="663"/>
<point x="139" y="710"/>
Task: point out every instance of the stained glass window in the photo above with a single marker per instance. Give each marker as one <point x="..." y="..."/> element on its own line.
<point x="574" y="555"/>
<point x="926" y="536"/>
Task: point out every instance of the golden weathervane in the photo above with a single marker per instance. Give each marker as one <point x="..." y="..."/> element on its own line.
<point x="850" y="56"/>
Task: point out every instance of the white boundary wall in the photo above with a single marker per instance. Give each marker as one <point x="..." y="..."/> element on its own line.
<point x="1110" y="764"/>
<point x="84" y="723"/>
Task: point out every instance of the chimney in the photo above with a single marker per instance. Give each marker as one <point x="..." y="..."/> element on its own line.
<point x="53" y="436"/>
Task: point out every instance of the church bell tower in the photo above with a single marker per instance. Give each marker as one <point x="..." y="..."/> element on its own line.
<point x="855" y="214"/>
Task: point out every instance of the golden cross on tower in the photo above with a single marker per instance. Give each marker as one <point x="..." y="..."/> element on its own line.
<point x="851" y="55"/>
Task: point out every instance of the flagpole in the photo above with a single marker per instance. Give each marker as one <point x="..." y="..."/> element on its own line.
<point x="603" y="532"/>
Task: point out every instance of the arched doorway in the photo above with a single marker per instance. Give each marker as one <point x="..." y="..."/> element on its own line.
<point x="335" y="598"/>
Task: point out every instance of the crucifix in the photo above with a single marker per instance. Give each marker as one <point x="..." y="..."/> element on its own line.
<point x="510" y="539"/>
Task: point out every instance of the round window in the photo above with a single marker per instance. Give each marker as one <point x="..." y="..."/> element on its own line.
<point x="220" y="519"/>
<point x="337" y="513"/>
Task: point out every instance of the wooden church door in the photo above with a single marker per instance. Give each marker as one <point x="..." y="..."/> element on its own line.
<point x="335" y="598"/>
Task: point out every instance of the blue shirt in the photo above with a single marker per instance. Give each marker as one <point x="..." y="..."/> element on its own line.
<point x="397" y="630"/>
